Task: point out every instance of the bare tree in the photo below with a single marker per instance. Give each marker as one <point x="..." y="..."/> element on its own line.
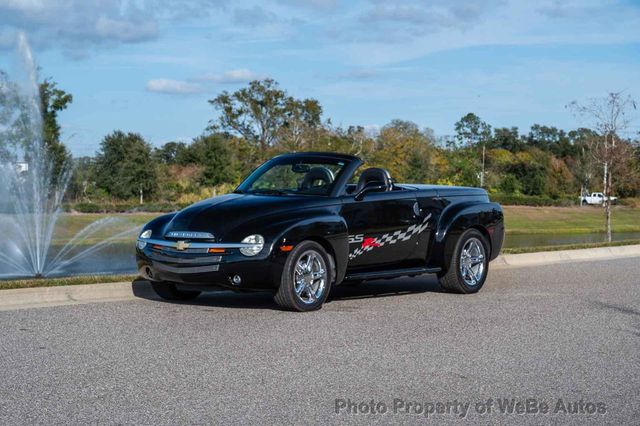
<point x="609" y="118"/>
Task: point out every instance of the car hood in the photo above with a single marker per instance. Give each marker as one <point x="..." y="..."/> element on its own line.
<point x="222" y="215"/>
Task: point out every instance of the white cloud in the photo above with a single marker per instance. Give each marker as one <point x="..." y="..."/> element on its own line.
<point x="123" y="30"/>
<point x="200" y="84"/>
<point x="79" y="24"/>
<point x="238" y="76"/>
<point x="173" y="87"/>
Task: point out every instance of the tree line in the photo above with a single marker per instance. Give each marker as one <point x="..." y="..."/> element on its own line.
<point x="261" y="120"/>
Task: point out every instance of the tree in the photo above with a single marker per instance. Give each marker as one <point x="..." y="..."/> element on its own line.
<point x="302" y="119"/>
<point x="550" y="139"/>
<point x="262" y="111"/>
<point x="609" y="118"/>
<point x="125" y="166"/>
<point x="170" y="153"/>
<point x="52" y="101"/>
<point x="20" y="122"/>
<point x="471" y="130"/>
<point x="82" y="179"/>
<point x="404" y="150"/>
<point x="215" y="155"/>
<point x="507" y="138"/>
<point x="582" y="163"/>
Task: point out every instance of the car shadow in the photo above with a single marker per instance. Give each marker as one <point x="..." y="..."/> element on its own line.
<point x="264" y="300"/>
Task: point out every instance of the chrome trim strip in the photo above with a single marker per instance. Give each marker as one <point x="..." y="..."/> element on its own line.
<point x="189" y="235"/>
<point x="173" y="244"/>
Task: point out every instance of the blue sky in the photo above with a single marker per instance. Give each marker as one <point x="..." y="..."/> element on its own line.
<point x="149" y="66"/>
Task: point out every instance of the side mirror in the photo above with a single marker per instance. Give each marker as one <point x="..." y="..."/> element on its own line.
<point x="374" y="186"/>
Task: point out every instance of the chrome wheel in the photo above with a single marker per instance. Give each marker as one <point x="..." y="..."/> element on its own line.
<point x="310" y="277"/>
<point x="472" y="262"/>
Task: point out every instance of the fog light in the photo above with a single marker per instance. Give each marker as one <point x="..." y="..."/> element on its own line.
<point x="142" y="244"/>
<point x="236" y="280"/>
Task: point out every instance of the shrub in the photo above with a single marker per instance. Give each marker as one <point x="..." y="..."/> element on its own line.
<point x="532" y="200"/>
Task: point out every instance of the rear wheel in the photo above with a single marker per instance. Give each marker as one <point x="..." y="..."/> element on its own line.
<point x="169" y="291"/>
<point x="306" y="278"/>
<point x="469" y="264"/>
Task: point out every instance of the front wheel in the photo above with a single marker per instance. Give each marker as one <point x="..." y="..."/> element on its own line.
<point x="169" y="291"/>
<point x="469" y="264"/>
<point x="306" y="278"/>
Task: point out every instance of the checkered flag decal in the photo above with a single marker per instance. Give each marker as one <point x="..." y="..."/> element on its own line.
<point x="391" y="238"/>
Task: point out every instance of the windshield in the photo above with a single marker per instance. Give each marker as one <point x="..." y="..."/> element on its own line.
<point x="294" y="175"/>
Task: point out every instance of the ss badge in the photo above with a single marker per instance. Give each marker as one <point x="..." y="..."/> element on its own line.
<point x="356" y="238"/>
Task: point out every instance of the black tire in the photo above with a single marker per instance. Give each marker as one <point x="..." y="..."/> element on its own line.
<point x="169" y="291"/>
<point x="453" y="279"/>
<point x="287" y="296"/>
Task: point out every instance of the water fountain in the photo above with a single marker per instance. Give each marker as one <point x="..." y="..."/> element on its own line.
<point x="31" y="195"/>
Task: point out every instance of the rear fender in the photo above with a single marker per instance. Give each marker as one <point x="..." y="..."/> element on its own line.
<point x="486" y="217"/>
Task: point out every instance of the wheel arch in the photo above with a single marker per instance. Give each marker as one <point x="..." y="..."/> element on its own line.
<point x="455" y="220"/>
<point x="328" y="231"/>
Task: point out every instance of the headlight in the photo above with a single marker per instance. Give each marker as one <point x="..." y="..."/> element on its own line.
<point x="258" y="243"/>
<point x="146" y="234"/>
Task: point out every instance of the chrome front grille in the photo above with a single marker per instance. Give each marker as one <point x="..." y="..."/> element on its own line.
<point x="188" y="250"/>
<point x="186" y="260"/>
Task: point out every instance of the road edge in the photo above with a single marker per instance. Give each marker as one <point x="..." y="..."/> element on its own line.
<point x="562" y="256"/>
<point x="39" y="297"/>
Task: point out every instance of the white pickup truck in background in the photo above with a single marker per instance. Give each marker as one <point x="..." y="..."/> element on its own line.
<point x="596" y="198"/>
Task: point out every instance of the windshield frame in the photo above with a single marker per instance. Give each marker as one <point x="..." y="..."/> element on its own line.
<point x="351" y="163"/>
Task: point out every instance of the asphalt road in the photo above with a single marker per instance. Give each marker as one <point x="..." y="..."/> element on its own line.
<point x="561" y="332"/>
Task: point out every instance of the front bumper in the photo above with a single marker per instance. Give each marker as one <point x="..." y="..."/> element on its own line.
<point x="196" y="265"/>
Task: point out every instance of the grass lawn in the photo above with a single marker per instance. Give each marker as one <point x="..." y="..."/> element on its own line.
<point x="55" y="282"/>
<point x="568" y="220"/>
<point x="519" y="220"/>
<point x="70" y="224"/>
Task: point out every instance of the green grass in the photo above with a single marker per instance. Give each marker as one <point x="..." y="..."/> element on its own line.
<point x="70" y="224"/>
<point x="55" y="282"/>
<point x="518" y="220"/>
<point x="568" y="220"/>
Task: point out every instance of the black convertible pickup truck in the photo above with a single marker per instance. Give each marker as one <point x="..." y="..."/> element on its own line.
<point x="302" y="223"/>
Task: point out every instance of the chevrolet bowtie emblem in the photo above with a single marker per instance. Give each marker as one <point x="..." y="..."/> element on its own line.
<point x="182" y="245"/>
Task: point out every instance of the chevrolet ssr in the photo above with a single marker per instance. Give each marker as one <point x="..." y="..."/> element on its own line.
<point x="302" y="223"/>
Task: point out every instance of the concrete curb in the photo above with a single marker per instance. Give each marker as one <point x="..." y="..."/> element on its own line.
<point x="562" y="256"/>
<point x="41" y="297"/>
<point x="115" y="292"/>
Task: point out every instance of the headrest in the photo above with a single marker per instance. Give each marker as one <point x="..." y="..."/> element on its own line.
<point x="315" y="174"/>
<point x="375" y="174"/>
